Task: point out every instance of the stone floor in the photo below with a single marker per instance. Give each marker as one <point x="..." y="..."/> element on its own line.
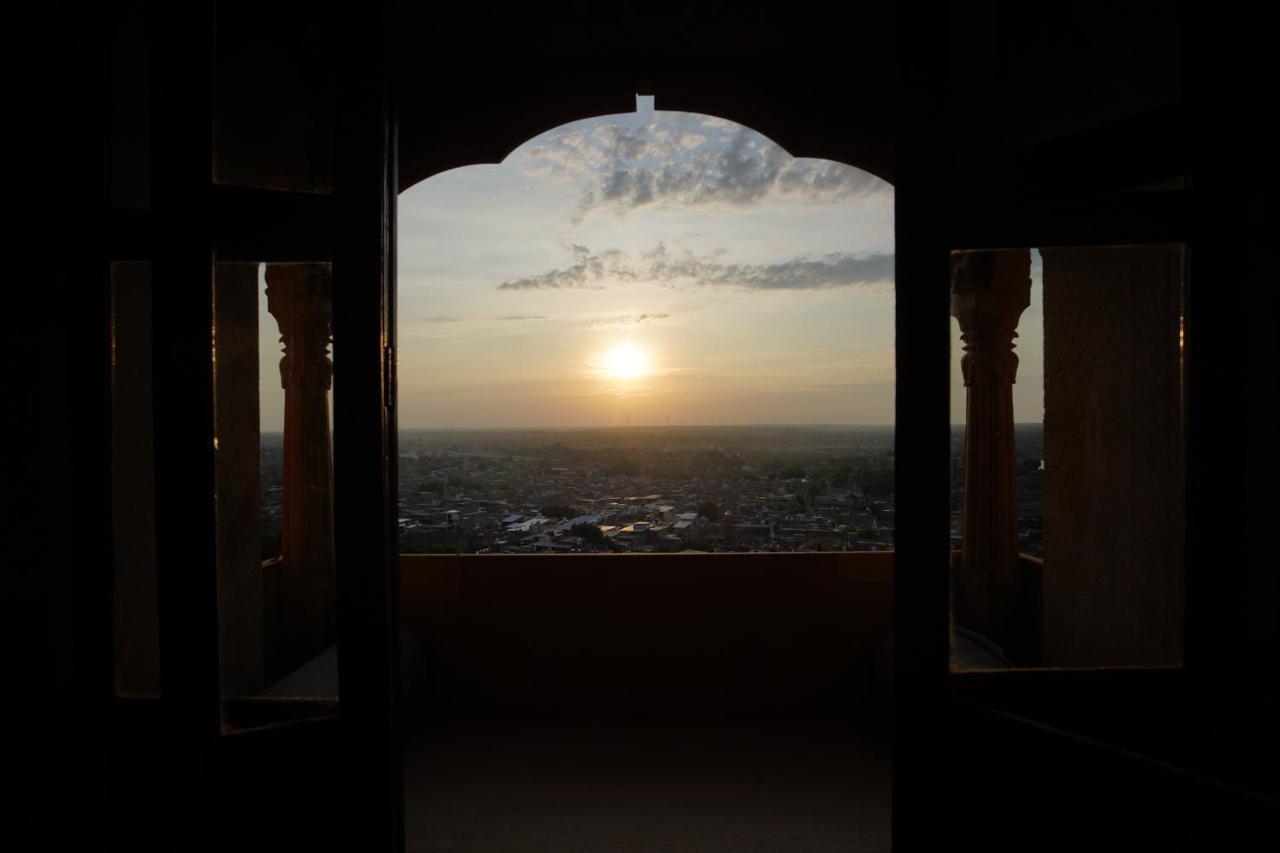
<point x="658" y="784"/>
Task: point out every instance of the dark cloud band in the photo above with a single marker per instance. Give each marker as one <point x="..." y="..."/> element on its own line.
<point x="596" y="271"/>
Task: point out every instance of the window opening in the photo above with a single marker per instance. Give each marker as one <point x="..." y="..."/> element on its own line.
<point x="653" y="332"/>
<point x="276" y="583"/>
<point x="1067" y="457"/>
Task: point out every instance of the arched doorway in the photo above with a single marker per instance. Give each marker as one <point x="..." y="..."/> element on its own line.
<point x="691" y="638"/>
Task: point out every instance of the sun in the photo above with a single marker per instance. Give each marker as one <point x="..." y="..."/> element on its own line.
<point x="625" y="361"/>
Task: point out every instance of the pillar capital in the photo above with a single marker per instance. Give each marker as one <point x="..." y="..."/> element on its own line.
<point x="989" y="291"/>
<point x="299" y="296"/>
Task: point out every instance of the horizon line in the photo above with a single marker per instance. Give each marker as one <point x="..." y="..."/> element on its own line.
<point x="656" y="426"/>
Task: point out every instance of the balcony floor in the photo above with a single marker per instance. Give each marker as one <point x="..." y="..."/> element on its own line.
<point x="564" y="784"/>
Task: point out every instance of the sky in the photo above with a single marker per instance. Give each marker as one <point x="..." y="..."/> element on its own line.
<point x="648" y="268"/>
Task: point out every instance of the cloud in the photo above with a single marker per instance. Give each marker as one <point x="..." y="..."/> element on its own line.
<point x="587" y="273"/>
<point x="595" y="271"/>
<point x="682" y="158"/>
<point x="635" y="321"/>
<point x="444" y="318"/>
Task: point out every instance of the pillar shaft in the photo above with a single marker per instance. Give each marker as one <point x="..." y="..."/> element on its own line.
<point x="989" y="290"/>
<point x="298" y="296"/>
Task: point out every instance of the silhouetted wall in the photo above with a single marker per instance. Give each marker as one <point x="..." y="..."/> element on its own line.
<point x="635" y="633"/>
<point x="137" y="639"/>
<point x="1114" y="528"/>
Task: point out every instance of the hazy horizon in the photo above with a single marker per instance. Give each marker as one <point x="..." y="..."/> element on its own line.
<point x="623" y="427"/>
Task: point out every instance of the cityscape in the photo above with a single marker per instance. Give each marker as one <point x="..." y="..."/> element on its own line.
<point x="658" y="489"/>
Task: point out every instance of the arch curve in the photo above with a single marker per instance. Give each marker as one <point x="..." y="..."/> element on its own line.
<point x="488" y="119"/>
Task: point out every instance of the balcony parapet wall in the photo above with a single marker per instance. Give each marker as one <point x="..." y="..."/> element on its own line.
<point x="634" y="633"/>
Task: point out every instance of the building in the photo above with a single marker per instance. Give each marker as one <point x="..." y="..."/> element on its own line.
<point x="1071" y="126"/>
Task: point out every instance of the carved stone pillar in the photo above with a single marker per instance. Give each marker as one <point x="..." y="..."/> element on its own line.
<point x="989" y="291"/>
<point x="299" y="297"/>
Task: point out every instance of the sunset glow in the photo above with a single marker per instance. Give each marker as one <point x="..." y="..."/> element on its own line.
<point x="625" y="361"/>
<point x="646" y="268"/>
